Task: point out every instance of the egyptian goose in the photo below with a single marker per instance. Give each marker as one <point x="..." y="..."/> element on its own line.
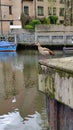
<point x="44" y="51"/>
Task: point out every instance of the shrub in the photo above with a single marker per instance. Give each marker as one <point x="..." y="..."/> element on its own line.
<point x="45" y="20"/>
<point x="35" y="22"/>
<point x="28" y="27"/>
<point x="53" y="19"/>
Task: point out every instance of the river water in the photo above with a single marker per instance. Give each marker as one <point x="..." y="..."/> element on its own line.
<point x="22" y="105"/>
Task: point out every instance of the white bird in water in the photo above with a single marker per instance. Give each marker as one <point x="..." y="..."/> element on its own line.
<point x="44" y="51"/>
<point x="14" y="100"/>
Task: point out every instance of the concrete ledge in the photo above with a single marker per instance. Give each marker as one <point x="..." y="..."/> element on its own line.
<point x="65" y="64"/>
<point x="56" y="79"/>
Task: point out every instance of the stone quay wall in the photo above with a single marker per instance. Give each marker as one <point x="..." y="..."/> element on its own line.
<point x="45" y="34"/>
<point x="49" y="35"/>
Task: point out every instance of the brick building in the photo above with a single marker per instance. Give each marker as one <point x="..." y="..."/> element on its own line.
<point x="10" y="11"/>
<point x="44" y="8"/>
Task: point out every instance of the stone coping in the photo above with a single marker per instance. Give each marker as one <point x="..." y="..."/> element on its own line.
<point x="65" y="63"/>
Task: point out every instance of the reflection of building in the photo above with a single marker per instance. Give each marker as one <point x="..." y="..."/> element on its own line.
<point x="11" y="81"/>
<point x="10" y="11"/>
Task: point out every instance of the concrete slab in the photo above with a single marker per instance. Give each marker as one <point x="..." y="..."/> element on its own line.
<point x="65" y="63"/>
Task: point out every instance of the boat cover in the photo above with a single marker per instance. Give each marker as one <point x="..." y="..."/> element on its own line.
<point x="6" y="43"/>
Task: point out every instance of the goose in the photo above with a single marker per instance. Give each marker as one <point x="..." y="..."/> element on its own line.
<point x="44" y="51"/>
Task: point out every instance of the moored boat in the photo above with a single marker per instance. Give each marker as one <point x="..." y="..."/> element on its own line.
<point x="6" y="46"/>
<point x="68" y="49"/>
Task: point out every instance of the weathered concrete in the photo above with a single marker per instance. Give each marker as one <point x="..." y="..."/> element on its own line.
<point x="56" y="79"/>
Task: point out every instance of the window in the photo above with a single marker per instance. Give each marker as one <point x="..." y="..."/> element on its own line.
<point x="39" y="0"/>
<point x="54" y="10"/>
<point x="26" y="10"/>
<point x="10" y="10"/>
<point x="62" y="1"/>
<point x="11" y="22"/>
<point x="68" y="4"/>
<point x="61" y="21"/>
<point x="49" y="11"/>
<point x="51" y="0"/>
<point x="54" y="0"/>
<point x="57" y="37"/>
<point x="61" y="11"/>
<point x="40" y="11"/>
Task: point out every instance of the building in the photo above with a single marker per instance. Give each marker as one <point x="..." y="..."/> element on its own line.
<point x="68" y="12"/>
<point x="10" y="11"/>
<point x="46" y="8"/>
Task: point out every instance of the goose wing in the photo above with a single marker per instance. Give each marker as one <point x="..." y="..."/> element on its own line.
<point x="47" y="49"/>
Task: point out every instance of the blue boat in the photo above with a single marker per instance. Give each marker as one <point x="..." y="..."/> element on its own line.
<point x="6" y="46"/>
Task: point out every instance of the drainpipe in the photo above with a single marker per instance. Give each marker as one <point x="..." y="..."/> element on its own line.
<point x="1" y="18"/>
<point x="65" y="15"/>
<point x="71" y="12"/>
<point x="35" y="8"/>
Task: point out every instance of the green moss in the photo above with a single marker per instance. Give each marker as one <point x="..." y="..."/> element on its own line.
<point x="50" y="93"/>
<point x="39" y="69"/>
<point x="50" y="90"/>
<point x="64" y="73"/>
<point x="49" y="80"/>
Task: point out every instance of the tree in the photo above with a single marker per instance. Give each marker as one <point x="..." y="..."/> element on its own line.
<point x="25" y="19"/>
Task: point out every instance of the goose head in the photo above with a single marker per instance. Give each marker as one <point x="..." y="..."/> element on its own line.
<point x="37" y="44"/>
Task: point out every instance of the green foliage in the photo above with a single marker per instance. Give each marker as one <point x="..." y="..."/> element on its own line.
<point x="45" y="20"/>
<point x="29" y="24"/>
<point x="53" y="19"/>
<point x="35" y="22"/>
<point x="28" y="27"/>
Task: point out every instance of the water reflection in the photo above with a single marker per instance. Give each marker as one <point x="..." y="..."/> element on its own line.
<point x="14" y="121"/>
<point x="4" y="56"/>
<point x="21" y="105"/>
